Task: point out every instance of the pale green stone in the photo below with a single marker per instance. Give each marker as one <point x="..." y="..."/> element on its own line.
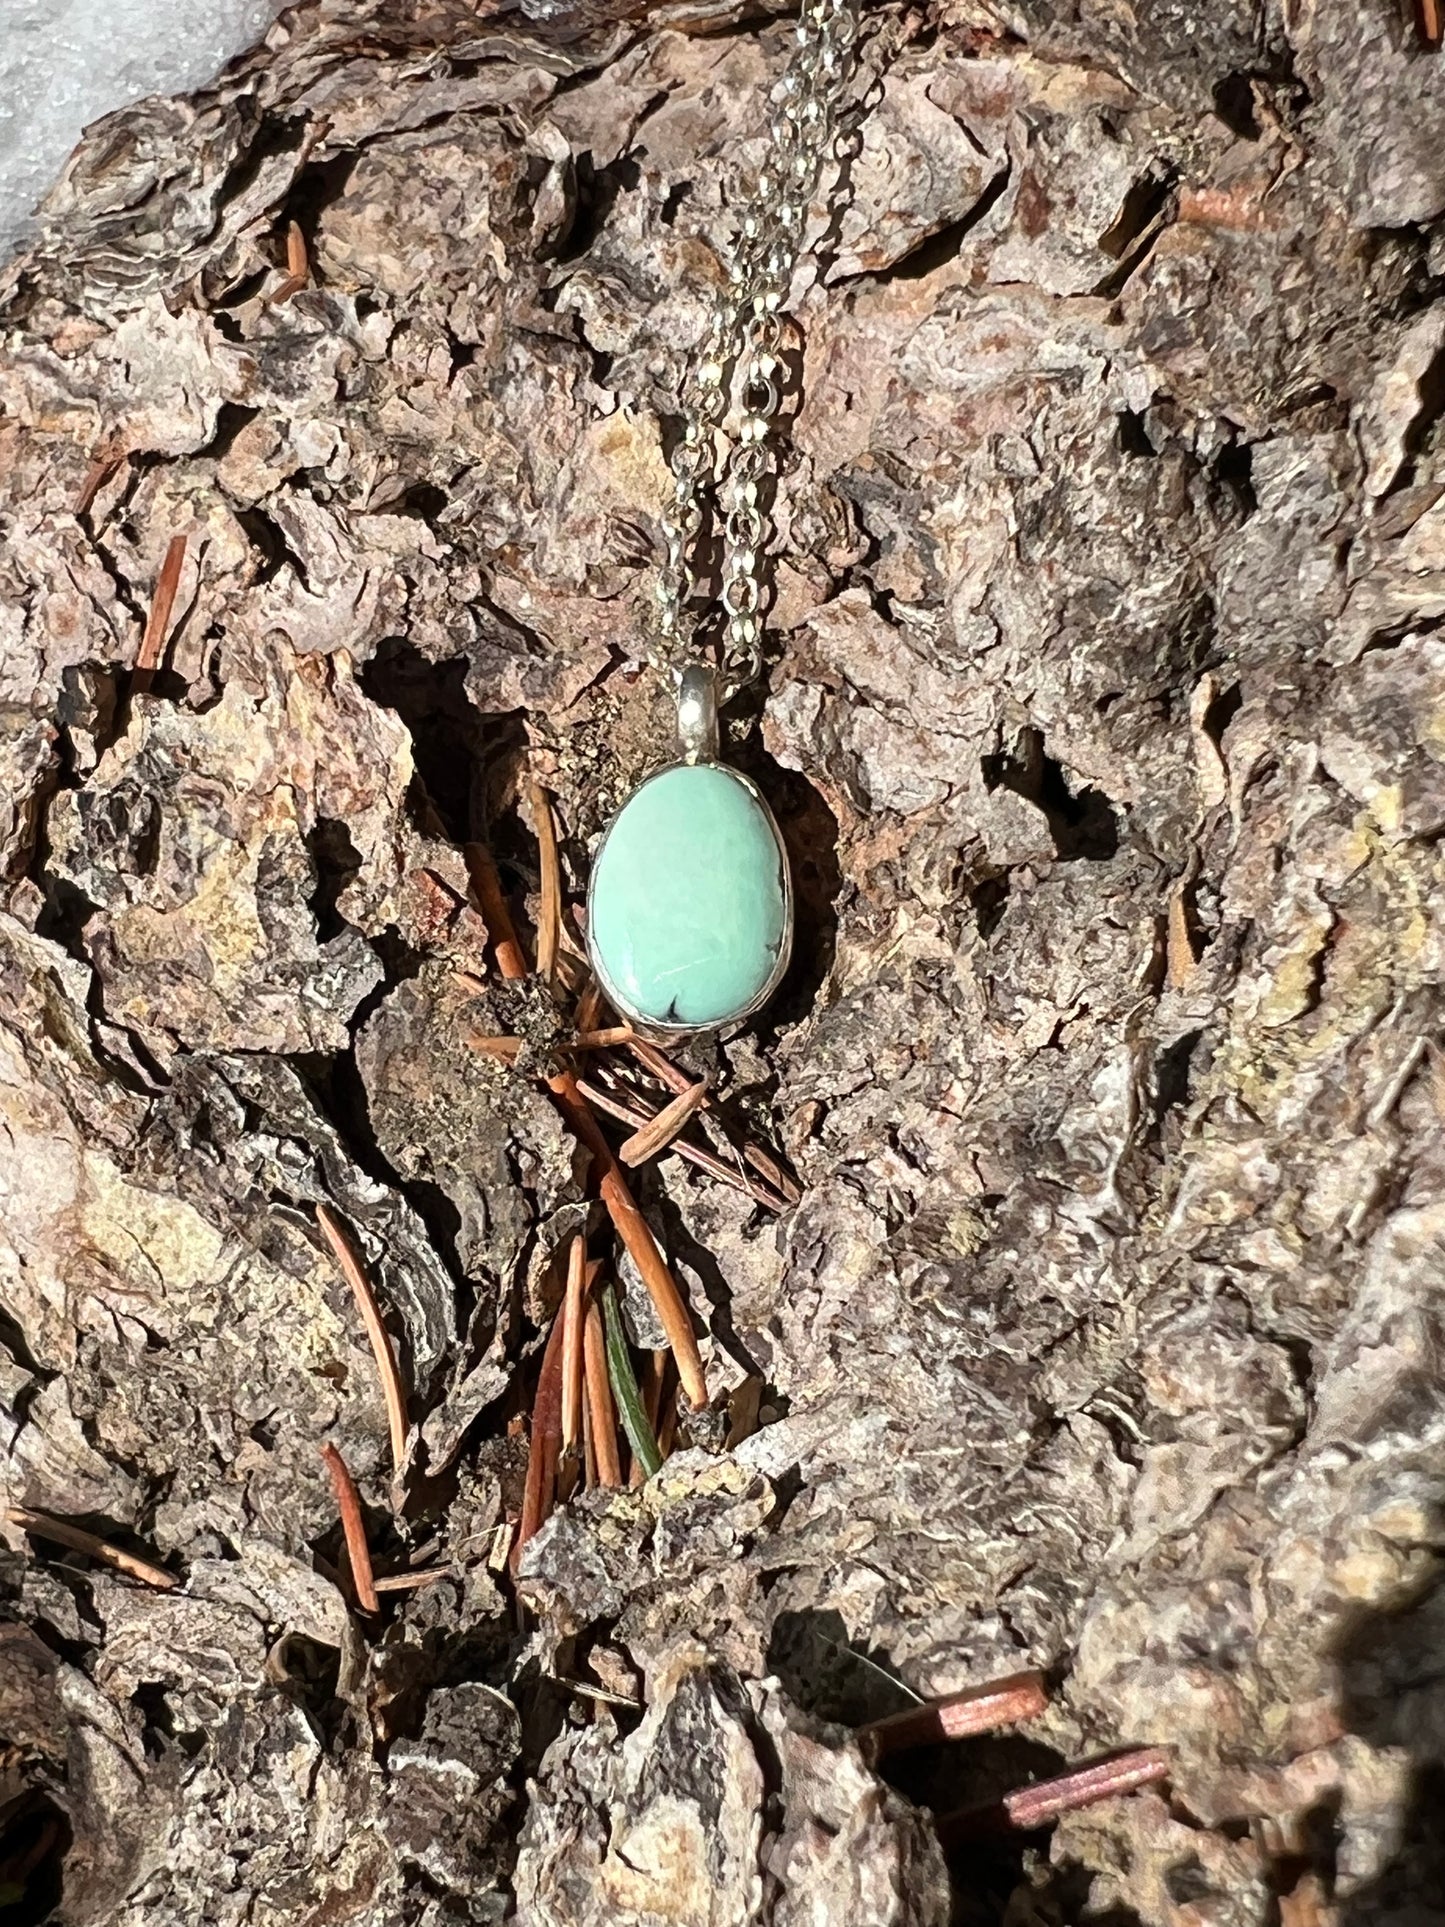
<point x="689" y="899"/>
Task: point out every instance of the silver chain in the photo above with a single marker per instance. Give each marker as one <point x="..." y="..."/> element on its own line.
<point x="743" y="346"/>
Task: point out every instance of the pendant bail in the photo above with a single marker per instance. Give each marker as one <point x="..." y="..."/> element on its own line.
<point x="697" y="730"/>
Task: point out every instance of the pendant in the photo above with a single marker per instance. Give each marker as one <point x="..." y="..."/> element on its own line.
<point x="690" y="906"/>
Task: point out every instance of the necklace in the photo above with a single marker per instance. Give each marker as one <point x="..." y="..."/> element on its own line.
<point x="690" y="907"/>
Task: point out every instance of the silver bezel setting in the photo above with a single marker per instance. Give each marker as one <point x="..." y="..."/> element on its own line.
<point x="650" y="1027"/>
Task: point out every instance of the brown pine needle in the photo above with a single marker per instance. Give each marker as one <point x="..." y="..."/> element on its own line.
<point x="676" y="1079"/>
<point x="589" y="1006"/>
<point x="629" y="1222"/>
<point x="659" y="1131"/>
<point x="495" y="914"/>
<point x="107" y="459"/>
<point x="636" y="1234"/>
<point x="654" y="1372"/>
<point x="549" y="912"/>
<point x="355" y="1276"/>
<point x="603" y="1039"/>
<point x="408" y="1581"/>
<point x="599" y="1401"/>
<point x="705" y="1160"/>
<point x="652" y="1391"/>
<point x="1036" y="1806"/>
<point x="509" y="1049"/>
<point x="348" y="1504"/>
<point x="589" y="1457"/>
<point x="667" y="1419"/>
<point x="1041" y="1804"/>
<point x="573" y="1311"/>
<point x="1431" y="23"/>
<point x="61" y="1533"/>
<point x="153" y="641"/>
<point x="978" y="1709"/>
<point x="298" y="268"/>
<point x="544" y="1446"/>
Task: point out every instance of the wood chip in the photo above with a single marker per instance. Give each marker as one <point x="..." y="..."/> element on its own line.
<point x="508" y="1049"/>
<point x="1180" y="960"/>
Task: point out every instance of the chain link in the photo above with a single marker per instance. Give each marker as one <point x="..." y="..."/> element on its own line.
<point x="743" y="350"/>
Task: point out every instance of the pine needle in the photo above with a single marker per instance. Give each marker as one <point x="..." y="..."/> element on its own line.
<point x="153" y="641"/>
<point x="659" y="1131"/>
<point x="549" y="912"/>
<point x="624" y="1387"/>
<point x="544" y="1446"/>
<point x="348" y="1504"/>
<point x="574" y="1313"/>
<point x="599" y="1401"/>
<point x="386" y="1365"/>
<point x="39" y="1525"/>
<point x="628" y="1221"/>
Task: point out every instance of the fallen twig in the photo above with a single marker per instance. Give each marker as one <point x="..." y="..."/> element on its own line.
<point x="348" y="1503"/>
<point x="41" y="1526"/>
<point x="599" y="1401"/>
<point x="386" y="1365"/>
<point x="153" y="640"/>
<point x="978" y="1709"/>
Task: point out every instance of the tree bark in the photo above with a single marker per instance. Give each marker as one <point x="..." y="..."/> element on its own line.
<point x="1103" y="717"/>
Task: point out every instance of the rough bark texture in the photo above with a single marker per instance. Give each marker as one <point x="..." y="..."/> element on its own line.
<point x="1106" y="720"/>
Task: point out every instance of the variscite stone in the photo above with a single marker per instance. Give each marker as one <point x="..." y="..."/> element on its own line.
<point x="689" y="907"/>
